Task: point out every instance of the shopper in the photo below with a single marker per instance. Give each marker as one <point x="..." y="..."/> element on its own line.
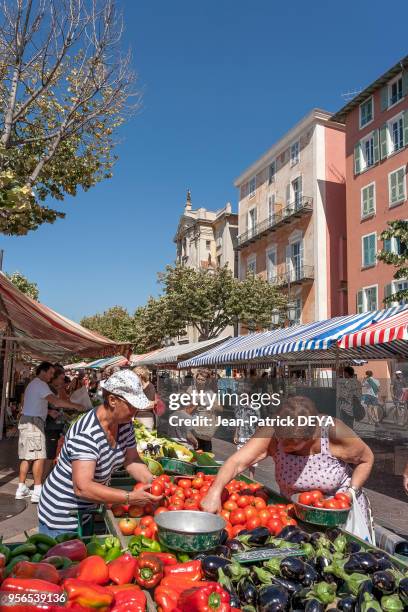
<point x="330" y="458"/>
<point x="398" y="386"/>
<point x="146" y="417"/>
<point x="205" y="432"/>
<point x="348" y="396"/>
<point x="246" y="418"/>
<point x="101" y="441"/>
<point x="405" y="478"/>
<point x="54" y="423"/>
<point x="370" y="389"/>
<point x="31" y="442"/>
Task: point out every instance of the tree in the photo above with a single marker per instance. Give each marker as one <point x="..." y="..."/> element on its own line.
<point x="65" y="86"/>
<point x="397" y="232"/>
<point x="24" y="285"/>
<point x="115" y="323"/>
<point x="156" y="322"/>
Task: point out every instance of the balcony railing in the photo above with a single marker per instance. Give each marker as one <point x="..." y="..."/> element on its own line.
<point x="302" y="206"/>
<point x="294" y="276"/>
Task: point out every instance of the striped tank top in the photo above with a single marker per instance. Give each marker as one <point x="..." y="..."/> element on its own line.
<point x="85" y="441"/>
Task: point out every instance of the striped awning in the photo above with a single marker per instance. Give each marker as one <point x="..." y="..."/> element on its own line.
<point x="101" y="364"/>
<point x="171" y="355"/>
<point x="135" y="360"/>
<point x="393" y="330"/>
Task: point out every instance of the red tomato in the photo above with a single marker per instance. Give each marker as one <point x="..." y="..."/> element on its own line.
<point x="148" y="509"/>
<point x="197" y="483"/>
<point x="237" y="529"/>
<point x="253" y="522"/>
<point x="230" y="505"/>
<point x="306" y="499"/>
<point x="259" y="503"/>
<point x="331" y="504"/>
<point x="127" y="526"/>
<point x="165" y="477"/>
<point x="160" y="510"/>
<point x="316" y="494"/>
<point x="204" y="490"/>
<point x="207" y="477"/>
<point x="201" y="475"/>
<point x="280" y="506"/>
<point x="179" y="491"/>
<point x="191" y="504"/>
<point x="234" y="497"/>
<point x="237" y="517"/>
<point x="243" y="501"/>
<point x="172" y="488"/>
<point x="342" y="504"/>
<point x="275" y="526"/>
<point x="138" y="485"/>
<point x="342" y="497"/>
<point x="184" y="483"/>
<point x="146" y="521"/>
<point x="135" y="511"/>
<point x="254" y="486"/>
<point x="225" y="514"/>
<point x="118" y="510"/>
<point x="291" y="521"/>
<point x="171" y="507"/>
<point x="250" y="512"/>
<point x="318" y="504"/>
<point x="264" y="517"/>
<point x="157" y="489"/>
<point x="188" y="493"/>
<point x="144" y="531"/>
<point x="230" y="530"/>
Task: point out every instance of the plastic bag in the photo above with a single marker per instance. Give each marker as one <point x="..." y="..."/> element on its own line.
<point x="357" y="524"/>
<point x="80" y="396"/>
<point x="160" y="407"/>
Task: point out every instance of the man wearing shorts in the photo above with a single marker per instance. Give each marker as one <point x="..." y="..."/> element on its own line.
<point x="31" y="441"/>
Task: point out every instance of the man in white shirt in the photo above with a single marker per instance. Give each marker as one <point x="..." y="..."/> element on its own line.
<point x="31" y="441"/>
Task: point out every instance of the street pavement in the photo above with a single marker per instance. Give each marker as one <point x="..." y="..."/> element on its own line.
<point x="388" y="500"/>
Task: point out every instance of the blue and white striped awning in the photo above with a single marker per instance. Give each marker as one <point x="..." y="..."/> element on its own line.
<point x="312" y="340"/>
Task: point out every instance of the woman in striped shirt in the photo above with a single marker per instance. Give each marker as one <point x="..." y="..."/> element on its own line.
<point x="101" y="441"/>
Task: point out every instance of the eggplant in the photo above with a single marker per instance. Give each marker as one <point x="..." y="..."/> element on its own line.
<point x="235" y="571"/>
<point x="365" y="588"/>
<point x="292" y="568"/>
<point x="222" y="551"/>
<point x="254" y="537"/>
<point x="361" y="562"/>
<point x="290" y="585"/>
<point x="380" y="554"/>
<point x="321" y="562"/>
<point x="288" y="530"/>
<point x="200" y="556"/>
<point x="384" y="564"/>
<point x="235" y="546"/>
<point x="333" y="533"/>
<point x="227" y="585"/>
<point x="314" y="605"/>
<point x="298" y="600"/>
<point x="223" y="536"/>
<point x="211" y="564"/>
<point x="347" y="603"/>
<point x="247" y="592"/>
<point x="384" y="581"/>
<point x="310" y="575"/>
<point x="403" y="591"/>
<point x="352" y="547"/>
<point x="297" y="537"/>
<point x="273" y="598"/>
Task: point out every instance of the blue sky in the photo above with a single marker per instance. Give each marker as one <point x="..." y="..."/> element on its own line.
<point x="222" y="80"/>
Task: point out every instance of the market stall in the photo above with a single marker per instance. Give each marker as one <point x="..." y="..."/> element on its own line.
<point x="170" y="356"/>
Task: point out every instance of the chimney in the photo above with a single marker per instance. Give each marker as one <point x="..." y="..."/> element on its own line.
<point x="188" y="201"/>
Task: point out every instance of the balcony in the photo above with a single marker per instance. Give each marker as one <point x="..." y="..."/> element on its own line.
<point x="302" y="207"/>
<point x="295" y="276"/>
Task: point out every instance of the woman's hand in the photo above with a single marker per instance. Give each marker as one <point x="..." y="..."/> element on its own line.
<point x="140" y="497"/>
<point x="211" y="502"/>
<point x="405" y="479"/>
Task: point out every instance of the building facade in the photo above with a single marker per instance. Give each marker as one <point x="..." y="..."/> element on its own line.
<point x="205" y="240"/>
<point x="292" y="218"/>
<point x="376" y="122"/>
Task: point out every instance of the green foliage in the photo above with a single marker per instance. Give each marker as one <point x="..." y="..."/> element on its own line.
<point x="115" y="323"/>
<point x="399" y="231"/>
<point x="24" y="285"/>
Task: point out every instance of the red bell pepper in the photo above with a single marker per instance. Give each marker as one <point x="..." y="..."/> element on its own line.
<point x="43" y="571"/>
<point x="69" y="572"/>
<point x="31" y="585"/>
<point x="211" y="598"/>
<point x="190" y="569"/>
<point x="73" y="549"/>
<point x="88" y="595"/>
<point x="166" y="598"/>
<point x="179" y="584"/>
<point x="2" y="561"/>
<point x="122" y="569"/>
<point x="149" y="571"/>
<point x="93" y="569"/>
<point x="166" y="558"/>
<point x="131" y="600"/>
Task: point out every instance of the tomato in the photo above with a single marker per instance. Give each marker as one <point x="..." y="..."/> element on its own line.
<point x="204" y="490"/>
<point x="147" y="532"/>
<point x="291" y="521"/>
<point x="127" y="526"/>
<point x="253" y="522"/>
<point x="229" y="529"/>
<point x="243" y="501"/>
<point x="184" y="483"/>
<point x="172" y="488"/>
<point x="201" y="475"/>
<point x="280" y="506"/>
<point x="306" y="499"/>
<point x="157" y="489"/>
<point x="342" y="504"/>
<point x="172" y="507"/>
<point x="148" y="509"/>
<point x="225" y="514"/>
<point x="234" y="497"/>
<point x="146" y="521"/>
<point x="197" y="483"/>
<point x="331" y="504"/>
<point x="188" y="493"/>
<point x="264" y="516"/>
<point x="230" y="505"/>
<point x="250" y="512"/>
<point x="165" y="477"/>
<point x="160" y="510"/>
<point x="179" y="491"/>
<point x="316" y="494"/>
<point x="139" y="485"/>
<point x="195" y="494"/>
<point x="207" y="477"/>
<point x="275" y="526"/>
<point x="237" y="529"/>
<point x="342" y="497"/>
<point x="318" y="504"/>
<point x="118" y="510"/>
<point x="259" y="503"/>
<point x="135" y="511"/>
<point x="254" y="486"/>
<point x="237" y="517"/>
<point x="191" y="504"/>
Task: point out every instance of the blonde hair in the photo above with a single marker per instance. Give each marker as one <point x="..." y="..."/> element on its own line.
<point x="143" y="373"/>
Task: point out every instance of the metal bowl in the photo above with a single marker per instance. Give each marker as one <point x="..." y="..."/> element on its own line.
<point x="176" y="466"/>
<point x="319" y="516"/>
<point x="189" y="530"/>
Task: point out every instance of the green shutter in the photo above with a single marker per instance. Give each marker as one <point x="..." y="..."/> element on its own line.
<point x="365" y="251"/>
<point x="357" y="158"/>
<point x="365" y="201"/>
<point x="393" y="187"/>
<point x="400" y="176"/>
<point x="371" y="203"/>
<point x="387" y="293"/>
<point x="384" y="98"/>
<point x="405" y="83"/>
<point x="384" y="141"/>
<point x="405" y="124"/>
<point x="376" y="137"/>
<point x="387" y="245"/>
<point x="360" y="303"/>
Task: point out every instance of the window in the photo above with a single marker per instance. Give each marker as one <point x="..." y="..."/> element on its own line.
<point x="297" y="192"/>
<point x="368" y="200"/>
<point x="401" y="285"/>
<point x="369" y="250"/>
<point x="251" y="264"/>
<point x="368" y="151"/>
<point x="294" y="153"/>
<point x="296" y="311"/>
<point x="395" y="91"/>
<point x="367" y="299"/>
<point x="271" y="206"/>
<point x="271" y="264"/>
<point x="252" y="186"/>
<point x="208" y="244"/>
<point x="366" y="112"/>
<point x="294" y="262"/>
<point x="251" y="221"/>
<point x="395" y="134"/>
<point x="394" y="245"/>
<point x="397" y="186"/>
<point x="272" y="171"/>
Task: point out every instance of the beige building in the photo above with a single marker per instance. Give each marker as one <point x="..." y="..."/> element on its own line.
<point x="292" y="218"/>
<point x="205" y="239"/>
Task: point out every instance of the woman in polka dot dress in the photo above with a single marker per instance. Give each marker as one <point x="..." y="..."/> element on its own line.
<point x="330" y="458"/>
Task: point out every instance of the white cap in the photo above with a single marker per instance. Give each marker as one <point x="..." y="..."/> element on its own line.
<point x="126" y="384"/>
<point x="398" y="371"/>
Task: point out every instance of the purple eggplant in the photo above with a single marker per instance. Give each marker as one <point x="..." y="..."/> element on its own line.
<point x="384" y="581"/>
<point x="273" y="598"/>
<point x="314" y="605"/>
<point x="361" y="562"/>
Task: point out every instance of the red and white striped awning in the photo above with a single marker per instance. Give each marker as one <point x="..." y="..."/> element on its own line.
<point x="393" y="329"/>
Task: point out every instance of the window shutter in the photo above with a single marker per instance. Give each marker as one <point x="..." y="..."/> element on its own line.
<point x="400" y="174"/>
<point x="357" y="158"/>
<point x="387" y="245"/>
<point x="373" y="248"/>
<point x="405" y="124"/>
<point x="301" y="250"/>
<point x="371" y="203"/>
<point x="288" y="258"/>
<point x="288" y="194"/>
<point x="384" y="141"/>
<point x="366" y="251"/>
<point x="393" y="187"/>
<point x="360" y="302"/>
<point x="405" y="83"/>
<point x="376" y="137"/>
<point x="387" y="293"/>
<point x="365" y="201"/>
<point x="384" y="98"/>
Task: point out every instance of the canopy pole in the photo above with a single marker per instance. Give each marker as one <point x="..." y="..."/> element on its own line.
<point x="337" y="365"/>
<point x="4" y="394"/>
<point x="309" y="370"/>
